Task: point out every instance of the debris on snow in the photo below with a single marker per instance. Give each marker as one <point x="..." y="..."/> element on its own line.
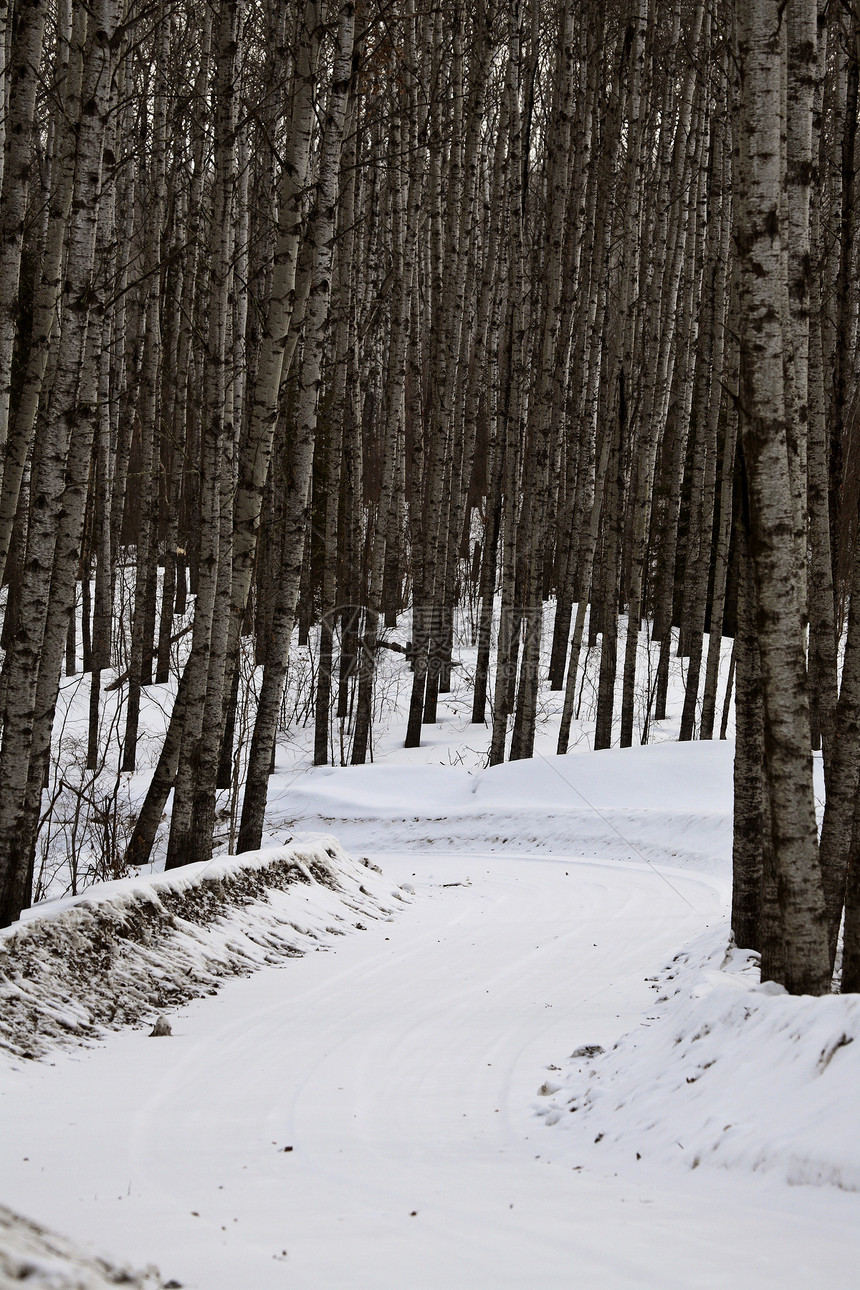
<point x="125" y="951"/>
<point x="547" y="1088"/>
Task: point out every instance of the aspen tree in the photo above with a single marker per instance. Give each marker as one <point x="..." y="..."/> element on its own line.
<point x="579" y="442"/>
<point x="764" y="441"/>
<point x="843" y="776"/>
<point x="405" y="217"/>
<point x="594" y="456"/>
<point x="513" y="416"/>
<point x="680" y="274"/>
<point x="477" y="247"/>
<point x="705" y="462"/>
<point x="274" y="354"/>
<point x="616" y="397"/>
<point x="321" y="236"/>
<point x="69" y="427"/>
<point x="342" y="308"/>
<point x="493" y="498"/>
<point x="185" y="840"/>
<point x="839" y="719"/>
<point x="455" y="217"/>
<point x="751" y="832"/>
<point x="721" y="571"/>
<point x="24" y="54"/>
<point x="823" y="664"/>
<point x="844" y="296"/>
<point x="48" y="284"/>
<point x="542" y="403"/>
<point x="102" y="469"/>
<point x="851" y="940"/>
<point x="188" y="216"/>
<point x="140" y="664"/>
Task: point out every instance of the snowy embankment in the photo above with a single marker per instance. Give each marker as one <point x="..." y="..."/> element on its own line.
<point x="126" y="950"/>
<point x="44" y="1261"/>
<point x="724" y="1071"/>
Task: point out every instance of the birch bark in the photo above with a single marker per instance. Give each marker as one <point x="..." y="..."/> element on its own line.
<point x="307" y="404"/>
<point x="70" y="421"/>
<point x="28" y="33"/>
<point x="764" y="441"/>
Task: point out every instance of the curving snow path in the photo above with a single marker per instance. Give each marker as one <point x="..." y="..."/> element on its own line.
<point x="402" y="1069"/>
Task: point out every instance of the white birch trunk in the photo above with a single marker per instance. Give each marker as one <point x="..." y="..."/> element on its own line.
<point x="764" y="440"/>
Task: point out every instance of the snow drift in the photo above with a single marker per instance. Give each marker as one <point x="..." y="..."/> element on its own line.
<point x="726" y="1072"/>
<point x="45" y="1261"/>
<point x="126" y="950"/>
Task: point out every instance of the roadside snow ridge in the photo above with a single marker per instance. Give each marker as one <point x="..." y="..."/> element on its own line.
<point x="125" y="951"/>
<point x="725" y="1071"/>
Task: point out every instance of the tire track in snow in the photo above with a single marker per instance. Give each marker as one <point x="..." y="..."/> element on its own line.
<point x="402" y="1068"/>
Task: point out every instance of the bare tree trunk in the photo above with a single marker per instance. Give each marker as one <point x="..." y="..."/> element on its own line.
<point x="26" y="51"/>
<point x="404" y="235"/>
<point x="140" y="663"/>
<point x="334" y="443"/>
<point x="851" y="941"/>
<point x="751" y="834"/>
<point x="307" y="405"/>
<point x="843" y="776"/>
<point x="49" y="284"/>
<point x="771" y="505"/>
<point x="69" y="424"/>
<point x="186" y="841"/>
<point x="699" y="548"/>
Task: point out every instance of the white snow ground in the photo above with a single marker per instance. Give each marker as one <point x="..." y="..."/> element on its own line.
<point x="421" y="1071"/>
<point x="403" y="1068"/>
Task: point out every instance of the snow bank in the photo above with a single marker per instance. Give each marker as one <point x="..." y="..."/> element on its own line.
<point x="731" y="1073"/>
<point x="29" y="1254"/>
<point x="663" y="803"/>
<point x="126" y="950"/>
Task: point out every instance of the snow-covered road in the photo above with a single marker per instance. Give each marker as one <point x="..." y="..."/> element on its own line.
<point x="402" y="1068"/>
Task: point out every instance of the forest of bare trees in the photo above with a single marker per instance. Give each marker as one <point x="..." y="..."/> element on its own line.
<point x="317" y="313"/>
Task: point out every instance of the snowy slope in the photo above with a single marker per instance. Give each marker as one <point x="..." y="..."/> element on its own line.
<point x="44" y="1261"/>
<point x="726" y="1072"/>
